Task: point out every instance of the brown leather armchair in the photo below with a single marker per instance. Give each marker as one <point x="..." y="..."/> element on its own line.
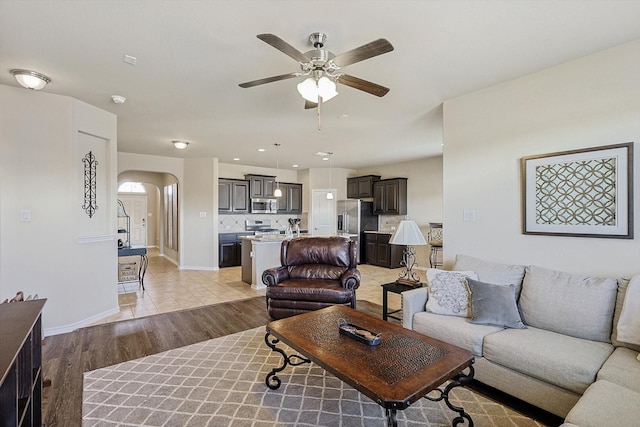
<point x="316" y="272"/>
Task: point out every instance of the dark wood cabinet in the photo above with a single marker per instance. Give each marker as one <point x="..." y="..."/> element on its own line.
<point x="390" y="197"/>
<point x="361" y="187"/>
<point x="233" y="196"/>
<point x="380" y="252"/>
<point x="261" y="186"/>
<point x="230" y="249"/>
<point x="291" y="200"/>
<point x="21" y="363"/>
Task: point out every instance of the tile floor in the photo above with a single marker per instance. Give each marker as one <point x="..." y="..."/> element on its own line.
<point x="169" y="289"/>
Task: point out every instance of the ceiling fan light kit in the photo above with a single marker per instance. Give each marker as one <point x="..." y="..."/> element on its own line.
<point x="323" y="69"/>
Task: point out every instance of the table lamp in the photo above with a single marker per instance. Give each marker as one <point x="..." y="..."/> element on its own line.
<point x="408" y="234"/>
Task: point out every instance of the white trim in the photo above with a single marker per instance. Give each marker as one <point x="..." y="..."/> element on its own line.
<point x="95" y="239"/>
<point x="258" y="287"/>
<point x="86" y="322"/>
<point x="198" y="268"/>
<point x="168" y="258"/>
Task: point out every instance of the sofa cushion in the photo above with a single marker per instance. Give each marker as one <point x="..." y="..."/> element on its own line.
<point x="567" y="362"/>
<point x="454" y="330"/>
<point x="494" y="305"/>
<point x="491" y="272"/>
<point x="606" y="404"/>
<point x="623" y="284"/>
<point x="448" y="292"/>
<point x="578" y="306"/>
<point x="622" y="368"/>
<point x="320" y="290"/>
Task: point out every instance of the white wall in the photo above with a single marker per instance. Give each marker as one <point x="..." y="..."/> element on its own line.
<point x="60" y="254"/>
<point x="200" y="225"/>
<point x="589" y="102"/>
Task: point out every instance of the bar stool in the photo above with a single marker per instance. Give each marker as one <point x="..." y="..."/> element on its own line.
<point x="435" y="241"/>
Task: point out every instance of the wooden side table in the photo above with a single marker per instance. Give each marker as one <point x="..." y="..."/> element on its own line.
<point x="396" y="288"/>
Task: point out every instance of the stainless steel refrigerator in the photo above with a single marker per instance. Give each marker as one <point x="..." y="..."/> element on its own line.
<point x="354" y="218"/>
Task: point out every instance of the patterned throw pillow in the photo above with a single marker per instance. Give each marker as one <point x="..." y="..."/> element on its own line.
<point x="448" y="292"/>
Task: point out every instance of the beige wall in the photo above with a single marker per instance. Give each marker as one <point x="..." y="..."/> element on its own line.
<point x="589" y="102"/>
<point x="424" y="195"/>
<point x="60" y="254"/>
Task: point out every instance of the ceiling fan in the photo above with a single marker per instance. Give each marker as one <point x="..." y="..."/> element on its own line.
<point x="324" y="69"/>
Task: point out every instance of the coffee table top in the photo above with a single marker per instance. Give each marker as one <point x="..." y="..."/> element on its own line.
<point x="403" y="368"/>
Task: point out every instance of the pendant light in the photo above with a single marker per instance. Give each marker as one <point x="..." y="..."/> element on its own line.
<point x="277" y="192"/>
<point x="330" y="192"/>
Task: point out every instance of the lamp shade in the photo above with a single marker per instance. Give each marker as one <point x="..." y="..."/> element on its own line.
<point x="309" y="89"/>
<point x="408" y="233"/>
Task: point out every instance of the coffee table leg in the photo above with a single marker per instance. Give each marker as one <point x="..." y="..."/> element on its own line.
<point x="391" y="418"/>
<point x="457" y="381"/>
<point x="272" y="380"/>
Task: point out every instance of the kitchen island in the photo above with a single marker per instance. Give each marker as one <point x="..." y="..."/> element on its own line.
<point x="260" y="253"/>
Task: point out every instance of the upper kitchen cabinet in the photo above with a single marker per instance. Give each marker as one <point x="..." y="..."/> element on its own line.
<point x="233" y="196"/>
<point x="361" y="187"/>
<point x="390" y="196"/>
<point x="261" y="186"/>
<point x="291" y="200"/>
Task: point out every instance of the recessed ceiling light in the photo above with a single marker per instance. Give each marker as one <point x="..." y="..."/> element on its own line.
<point x="294" y="166"/>
<point x="117" y="99"/>
<point x="343" y="116"/>
<point x="320" y="153"/>
<point x="325" y="158"/>
<point x="128" y="59"/>
<point x="236" y="158"/>
<point x="261" y="150"/>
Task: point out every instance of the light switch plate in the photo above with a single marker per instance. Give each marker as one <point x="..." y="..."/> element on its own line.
<point x="469" y="215"/>
<point x="25" y="215"/>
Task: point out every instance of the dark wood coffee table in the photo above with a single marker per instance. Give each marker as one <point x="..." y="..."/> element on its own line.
<point x="403" y="368"/>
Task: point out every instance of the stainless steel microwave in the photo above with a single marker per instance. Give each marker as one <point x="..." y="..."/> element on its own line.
<point x="264" y="206"/>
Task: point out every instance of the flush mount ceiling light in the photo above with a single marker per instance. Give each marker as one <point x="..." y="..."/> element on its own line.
<point x="180" y="145"/>
<point x="30" y="79"/>
<point x="117" y="99"/>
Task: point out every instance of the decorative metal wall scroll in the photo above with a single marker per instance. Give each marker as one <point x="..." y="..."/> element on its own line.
<point x="90" y="206"/>
<point x="583" y="193"/>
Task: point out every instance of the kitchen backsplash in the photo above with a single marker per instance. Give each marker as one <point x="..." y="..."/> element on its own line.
<point x="389" y="222"/>
<point x="235" y="223"/>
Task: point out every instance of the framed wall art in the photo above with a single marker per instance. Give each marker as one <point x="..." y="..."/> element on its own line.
<point x="581" y="193"/>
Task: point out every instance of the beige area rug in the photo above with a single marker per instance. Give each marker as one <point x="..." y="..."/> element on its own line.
<point x="220" y="382"/>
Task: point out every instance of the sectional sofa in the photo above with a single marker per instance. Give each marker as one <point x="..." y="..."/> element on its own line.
<point x="546" y="337"/>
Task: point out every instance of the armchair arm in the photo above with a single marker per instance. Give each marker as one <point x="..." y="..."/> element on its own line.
<point x="275" y="275"/>
<point x="413" y="301"/>
<point x="350" y="279"/>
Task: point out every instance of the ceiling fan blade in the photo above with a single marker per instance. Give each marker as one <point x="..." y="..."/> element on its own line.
<point x="269" y="80"/>
<point x="284" y="47"/>
<point x="363" y="85"/>
<point x="369" y="50"/>
<point x="309" y="105"/>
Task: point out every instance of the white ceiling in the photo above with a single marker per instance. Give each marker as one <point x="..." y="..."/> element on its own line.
<point x="191" y="56"/>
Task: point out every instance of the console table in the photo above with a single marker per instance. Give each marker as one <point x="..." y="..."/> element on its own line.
<point x="21" y="363"/>
<point x="136" y="250"/>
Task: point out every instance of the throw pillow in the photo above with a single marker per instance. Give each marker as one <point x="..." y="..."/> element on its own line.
<point x="448" y="292"/>
<point x="494" y="305"/>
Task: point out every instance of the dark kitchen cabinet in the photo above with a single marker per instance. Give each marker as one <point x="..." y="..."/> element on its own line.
<point x="390" y="197"/>
<point x="261" y="186"/>
<point x="380" y="252"/>
<point x="233" y="196"/>
<point x="361" y="187"/>
<point x="230" y="249"/>
<point x="291" y="200"/>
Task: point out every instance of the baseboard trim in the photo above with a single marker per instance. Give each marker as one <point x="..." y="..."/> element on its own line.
<point x="197" y="268"/>
<point x="80" y="324"/>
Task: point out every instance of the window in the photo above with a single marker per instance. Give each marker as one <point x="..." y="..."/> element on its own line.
<point x="131" y="187"/>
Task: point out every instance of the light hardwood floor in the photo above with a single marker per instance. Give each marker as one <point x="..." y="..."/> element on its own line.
<point x="169" y="289"/>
